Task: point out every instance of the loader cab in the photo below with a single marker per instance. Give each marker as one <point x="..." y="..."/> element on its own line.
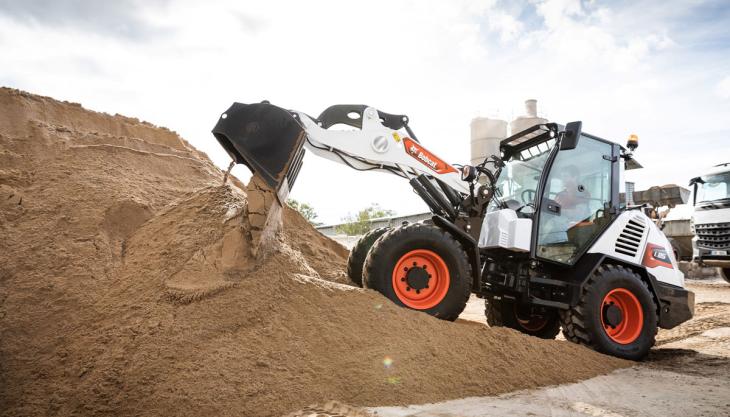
<point x="570" y="193"/>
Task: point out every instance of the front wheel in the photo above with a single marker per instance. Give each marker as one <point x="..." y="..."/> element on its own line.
<point x="420" y="267"/>
<point x="725" y="272"/>
<point x="356" y="260"/>
<point x="616" y="314"/>
<point x="531" y="320"/>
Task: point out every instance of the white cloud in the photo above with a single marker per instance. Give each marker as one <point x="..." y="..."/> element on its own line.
<point x="723" y="88"/>
<point x="620" y="70"/>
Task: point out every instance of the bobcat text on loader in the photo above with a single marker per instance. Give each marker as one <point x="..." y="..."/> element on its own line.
<point x="539" y="231"/>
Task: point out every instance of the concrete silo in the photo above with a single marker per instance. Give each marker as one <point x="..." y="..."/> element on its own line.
<point x="528" y="120"/>
<point x="486" y="134"/>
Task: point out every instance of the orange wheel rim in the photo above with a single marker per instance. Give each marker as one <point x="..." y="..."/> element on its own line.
<point x="622" y="316"/>
<point x="533" y="324"/>
<point x="421" y="279"/>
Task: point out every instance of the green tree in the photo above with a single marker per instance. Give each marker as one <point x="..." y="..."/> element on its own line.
<point x="305" y="210"/>
<point x="360" y="223"/>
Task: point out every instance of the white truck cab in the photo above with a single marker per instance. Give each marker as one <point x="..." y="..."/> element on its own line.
<point x="711" y="218"/>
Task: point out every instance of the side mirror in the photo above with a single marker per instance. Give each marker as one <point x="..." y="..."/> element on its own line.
<point x="571" y="136"/>
<point x="694" y="183"/>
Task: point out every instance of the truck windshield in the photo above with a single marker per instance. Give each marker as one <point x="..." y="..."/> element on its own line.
<point x="714" y="187"/>
<point x="517" y="184"/>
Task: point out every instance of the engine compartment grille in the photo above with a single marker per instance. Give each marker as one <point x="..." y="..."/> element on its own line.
<point x="629" y="240"/>
<point x="713" y="235"/>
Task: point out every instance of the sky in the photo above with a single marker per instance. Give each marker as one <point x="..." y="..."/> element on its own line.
<point x="659" y="69"/>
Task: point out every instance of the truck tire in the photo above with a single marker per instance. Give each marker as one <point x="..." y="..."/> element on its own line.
<point x="675" y="249"/>
<point x="725" y="272"/>
<point x="616" y="314"/>
<point x="503" y="312"/>
<point x="356" y="260"/>
<point x="420" y="267"/>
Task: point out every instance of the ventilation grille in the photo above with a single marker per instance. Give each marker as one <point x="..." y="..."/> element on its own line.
<point x="630" y="238"/>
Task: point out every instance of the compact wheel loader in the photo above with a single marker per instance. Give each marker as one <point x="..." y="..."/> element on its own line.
<point x="539" y="231"/>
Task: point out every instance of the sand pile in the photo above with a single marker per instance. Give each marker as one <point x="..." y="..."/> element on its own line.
<point x="128" y="287"/>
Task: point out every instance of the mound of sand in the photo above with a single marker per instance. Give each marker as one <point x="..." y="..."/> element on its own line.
<point x="128" y="287"/>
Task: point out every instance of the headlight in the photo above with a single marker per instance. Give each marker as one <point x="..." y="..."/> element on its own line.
<point x="468" y="173"/>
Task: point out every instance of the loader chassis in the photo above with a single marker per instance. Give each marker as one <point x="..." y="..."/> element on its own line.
<point x="551" y="272"/>
<point x="538" y="231"/>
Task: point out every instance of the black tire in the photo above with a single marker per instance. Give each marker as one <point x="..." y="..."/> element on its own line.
<point x="502" y="312"/>
<point x="584" y="323"/>
<point x="396" y="248"/>
<point x="675" y="249"/>
<point x="725" y="272"/>
<point x="356" y="260"/>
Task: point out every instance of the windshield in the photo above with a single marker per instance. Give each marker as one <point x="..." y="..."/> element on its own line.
<point x="714" y="187"/>
<point x="517" y="184"/>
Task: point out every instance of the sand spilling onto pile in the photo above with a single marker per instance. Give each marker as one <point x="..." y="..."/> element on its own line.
<point x="128" y="286"/>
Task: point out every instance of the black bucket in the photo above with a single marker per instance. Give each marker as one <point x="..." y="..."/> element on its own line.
<point x="267" y="139"/>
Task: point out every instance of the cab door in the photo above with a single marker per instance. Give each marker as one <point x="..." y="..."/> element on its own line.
<point x="577" y="197"/>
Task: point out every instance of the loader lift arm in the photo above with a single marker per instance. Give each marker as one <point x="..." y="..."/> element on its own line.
<point x="271" y="141"/>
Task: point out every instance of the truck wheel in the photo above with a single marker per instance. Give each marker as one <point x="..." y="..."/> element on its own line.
<point x="359" y="252"/>
<point x="725" y="272"/>
<point x="507" y="313"/>
<point x="420" y="267"/>
<point x="616" y="314"/>
<point x="675" y="249"/>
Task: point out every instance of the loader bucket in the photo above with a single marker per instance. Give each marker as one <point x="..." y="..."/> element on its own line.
<point x="267" y="139"/>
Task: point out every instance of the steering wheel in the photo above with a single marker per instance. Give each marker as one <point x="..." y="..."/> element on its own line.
<point x="520" y="213"/>
<point x="530" y="196"/>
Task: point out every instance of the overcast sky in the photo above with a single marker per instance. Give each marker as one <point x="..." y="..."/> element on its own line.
<point x="660" y="69"/>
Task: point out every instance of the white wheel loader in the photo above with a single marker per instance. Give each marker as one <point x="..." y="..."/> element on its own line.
<point x="539" y="231"/>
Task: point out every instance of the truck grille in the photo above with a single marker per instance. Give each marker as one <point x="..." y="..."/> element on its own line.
<point x="713" y="235"/>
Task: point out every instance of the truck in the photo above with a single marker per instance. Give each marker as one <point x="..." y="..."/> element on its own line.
<point x="711" y="219"/>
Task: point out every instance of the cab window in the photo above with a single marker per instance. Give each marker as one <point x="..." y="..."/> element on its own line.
<point x="573" y="210"/>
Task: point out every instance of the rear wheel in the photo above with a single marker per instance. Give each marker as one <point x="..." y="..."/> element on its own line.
<point x="356" y="260"/>
<point x="616" y="314"/>
<point x="530" y="320"/>
<point x="420" y="267"/>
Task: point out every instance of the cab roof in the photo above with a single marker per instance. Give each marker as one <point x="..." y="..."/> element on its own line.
<point x="543" y="133"/>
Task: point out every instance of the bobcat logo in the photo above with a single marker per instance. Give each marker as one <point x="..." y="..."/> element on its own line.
<point x="425" y="159"/>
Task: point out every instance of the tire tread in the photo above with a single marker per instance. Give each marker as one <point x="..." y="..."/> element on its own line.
<point x="574" y="328"/>
<point x="359" y="252"/>
<point x="381" y="244"/>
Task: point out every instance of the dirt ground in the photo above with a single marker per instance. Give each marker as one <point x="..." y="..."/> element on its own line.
<point x="131" y="284"/>
<point x="687" y="374"/>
